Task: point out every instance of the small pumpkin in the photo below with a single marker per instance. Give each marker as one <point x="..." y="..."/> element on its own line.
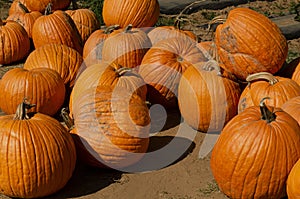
<point x="139" y="13"/>
<point x="37" y="154"/>
<point x="279" y="89"/>
<point x="112" y="125"/>
<point x="126" y="47"/>
<point x="207" y="97"/>
<point x="42" y="86"/>
<point x="292" y="107"/>
<point x="25" y="18"/>
<point x="15" y="43"/>
<point x="92" y="49"/>
<point x="249" y="42"/>
<point x="255" y="153"/>
<point x="163" y="65"/>
<point x="85" y="20"/>
<point x="56" y="27"/>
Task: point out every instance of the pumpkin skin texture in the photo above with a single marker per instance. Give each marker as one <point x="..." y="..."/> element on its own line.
<point x="113" y="126"/>
<point x="57" y="27"/>
<point x="14" y="7"/>
<point x="15" y="43"/>
<point x="163" y="65"/>
<point x="126" y="47"/>
<point x="85" y="20"/>
<point x="296" y="74"/>
<point x="25" y="18"/>
<point x="292" y="187"/>
<point x="279" y="89"/>
<point x="38" y="156"/>
<point x="248" y="42"/>
<point x="64" y="60"/>
<point x="42" y="4"/>
<point x="292" y="107"/>
<point x="42" y="86"/>
<point x="254" y="155"/>
<point x="140" y="14"/>
<point x="207" y="101"/>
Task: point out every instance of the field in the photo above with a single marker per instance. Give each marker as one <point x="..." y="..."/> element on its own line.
<point x="172" y="168"/>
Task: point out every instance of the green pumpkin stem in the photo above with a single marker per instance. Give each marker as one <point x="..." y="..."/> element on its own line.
<point x="266" y="114"/>
<point x="21" y="112"/>
<point x="48" y="9"/>
<point x="23" y="7"/>
<point x="66" y="118"/>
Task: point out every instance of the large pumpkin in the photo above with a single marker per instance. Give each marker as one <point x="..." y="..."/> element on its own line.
<point x="65" y="60"/>
<point x="248" y="42"/>
<point x="163" y="65"/>
<point x="262" y="84"/>
<point x="255" y="153"/>
<point x="14" y="7"/>
<point x="41" y="5"/>
<point x="42" y="86"/>
<point x="112" y="127"/>
<point x="126" y="47"/>
<point x="25" y="18"/>
<point x="207" y="98"/>
<point x="15" y="43"/>
<point x="139" y="13"/>
<point x="37" y="154"/>
<point x="56" y="27"/>
<point x="292" y="107"/>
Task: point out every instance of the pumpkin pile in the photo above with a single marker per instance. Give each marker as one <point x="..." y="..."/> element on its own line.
<point x="101" y="82"/>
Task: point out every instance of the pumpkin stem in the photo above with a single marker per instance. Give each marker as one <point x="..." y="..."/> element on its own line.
<point x="264" y="76"/>
<point x="212" y="65"/>
<point x="128" y="28"/>
<point x="21" y="113"/>
<point x="111" y="28"/>
<point x="122" y="71"/>
<point x="48" y="9"/>
<point x="23" y="7"/>
<point x="266" y="114"/>
<point x="216" y="20"/>
<point x="66" y="118"/>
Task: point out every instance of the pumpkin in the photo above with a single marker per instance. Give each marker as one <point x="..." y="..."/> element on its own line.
<point x="92" y="49"/>
<point x="85" y="20"/>
<point x="37" y="154"/>
<point x="111" y="75"/>
<point x="207" y="97"/>
<point x="126" y="47"/>
<point x="42" y="86"/>
<point x="56" y="27"/>
<point x="25" y="18"/>
<point x="163" y="65"/>
<point x="248" y="42"/>
<point x="112" y="125"/>
<point x="296" y="73"/>
<point x="279" y="89"/>
<point x="255" y="153"/>
<point x="14" y="7"/>
<point x="292" y="186"/>
<point x="292" y="107"/>
<point x="139" y="13"/>
<point x="15" y="43"/>
<point x="42" y="4"/>
<point x="65" y="60"/>
<point x="163" y="32"/>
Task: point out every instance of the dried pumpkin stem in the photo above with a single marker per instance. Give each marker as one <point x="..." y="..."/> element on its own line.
<point x="48" y="9"/>
<point x="111" y="28"/>
<point x="66" y="118"/>
<point x="23" y="7"/>
<point x="266" y="114"/>
<point x="122" y="71"/>
<point x="128" y="28"/>
<point x="264" y="76"/>
<point x="212" y="65"/>
<point x="21" y="113"/>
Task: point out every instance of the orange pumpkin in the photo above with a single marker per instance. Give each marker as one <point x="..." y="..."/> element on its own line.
<point x="15" y="43"/>
<point x="139" y="13"/>
<point x="293" y="182"/>
<point x="207" y="98"/>
<point x="38" y="154"/>
<point x="126" y="47"/>
<point x="292" y="107"/>
<point x="255" y="153"/>
<point x="41" y="5"/>
<point x="249" y="42"/>
<point x="42" y="86"/>
<point x="279" y="89"/>
<point x="112" y="125"/>
<point x="14" y="7"/>
<point x="25" y="18"/>
<point x="56" y="27"/>
<point x="163" y="65"/>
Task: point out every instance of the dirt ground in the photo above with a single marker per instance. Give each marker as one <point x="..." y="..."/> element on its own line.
<point x="180" y="176"/>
